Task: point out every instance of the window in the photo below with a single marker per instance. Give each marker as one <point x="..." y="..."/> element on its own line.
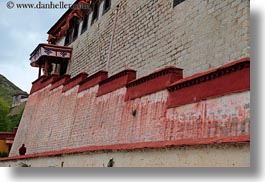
<point x="176" y="2"/>
<point x="63" y="68"/>
<point x="68" y="37"/>
<point x="76" y="29"/>
<point x="95" y="12"/>
<point x="72" y="32"/>
<point x="85" y="22"/>
<point x="106" y="7"/>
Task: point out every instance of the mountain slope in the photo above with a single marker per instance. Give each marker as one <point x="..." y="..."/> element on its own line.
<point x="9" y="117"/>
<point x="7" y="89"/>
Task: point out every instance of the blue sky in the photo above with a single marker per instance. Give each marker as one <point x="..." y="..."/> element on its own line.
<point x="21" y="30"/>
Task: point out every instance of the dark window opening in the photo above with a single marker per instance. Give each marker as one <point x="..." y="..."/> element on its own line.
<point x="76" y="30"/>
<point x="176" y="2"/>
<point x="68" y="37"/>
<point x="53" y="41"/>
<point x="9" y="148"/>
<point x="107" y="5"/>
<point x="63" y="68"/>
<point x="85" y="22"/>
<point x="72" y="32"/>
<point x="95" y="12"/>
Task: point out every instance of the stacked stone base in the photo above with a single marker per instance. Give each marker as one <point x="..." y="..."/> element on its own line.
<point x="215" y="155"/>
<point x="108" y="116"/>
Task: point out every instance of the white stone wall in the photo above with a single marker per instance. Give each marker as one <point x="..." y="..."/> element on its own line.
<point x="194" y="35"/>
<point x="222" y="155"/>
<point x="61" y="41"/>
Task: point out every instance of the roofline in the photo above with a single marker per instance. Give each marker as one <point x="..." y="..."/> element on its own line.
<point x="62" y="19"/>
<point x="22" y="93"/>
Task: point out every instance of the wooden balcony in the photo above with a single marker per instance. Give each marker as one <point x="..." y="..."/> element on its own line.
<point x="46" y="55"/>
<point x="53" y="53"/>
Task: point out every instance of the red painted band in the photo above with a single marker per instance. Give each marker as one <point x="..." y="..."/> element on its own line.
<point x="116" y="81"/>
<point x="42" y="82"/>
<point x="74" y="81"/>
<point x="39" y="79"/>
<point x="233" y="77"/>
<point x="92" y="80"/>
<point x="7" y="135"/>
<point x="49" y="80"/>
<point x="60" y="81"/>
<point x="136" y="146"/>
<point x="153" y="82"/>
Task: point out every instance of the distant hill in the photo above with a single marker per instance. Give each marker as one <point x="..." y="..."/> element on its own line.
<point x="11" y="118"/>
<point x="7" y="89"/>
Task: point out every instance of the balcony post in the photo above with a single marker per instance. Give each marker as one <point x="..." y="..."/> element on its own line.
<point x="45" y="68"/>
<point x="39" y="71"/>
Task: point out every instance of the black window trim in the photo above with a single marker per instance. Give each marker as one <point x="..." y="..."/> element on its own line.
<point x="177" y="2"/>
<point x="75" y="31"/>
<point x="95" y="17"/>
<point x="105" y="10"/>
<point x="84" y="28"/>
<point x="69" y="34"/>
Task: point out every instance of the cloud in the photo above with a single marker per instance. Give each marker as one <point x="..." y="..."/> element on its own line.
<point x="21" y="30"/>
<point x="19" y="75"/>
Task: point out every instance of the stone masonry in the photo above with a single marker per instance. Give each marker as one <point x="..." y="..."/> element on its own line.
<point x="194" y="35"/>
<point x="58" y="119"/>
<point x="146" y="79"/>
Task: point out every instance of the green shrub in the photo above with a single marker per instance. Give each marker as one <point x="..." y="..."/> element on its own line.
<point x="4" y="109"/>
<point x="3" y="154"/>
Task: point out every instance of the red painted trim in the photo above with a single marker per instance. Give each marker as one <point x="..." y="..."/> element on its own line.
<point x="63" y="24"/>
<point x="74" y="81"/>
<point x="153" y="82"/>
<point x="92" y="80"/>
<point x="8" y="135"/>
<point x="39" y="79"/>
<point x="230" y="78"/>
<point x="42" y="82"/>
<point x="116" y="81"/>
<point x="49" y="79"/>
<point x="60" y="81"/>
<point x="136" y="146"/>
<point x="203" y="74"/>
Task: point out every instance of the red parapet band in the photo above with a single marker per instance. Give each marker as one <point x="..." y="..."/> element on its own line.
<point x="60" y="81"/>
<point x="7" y="135"/>
<point x="37" y="84"/>
<point x="74" y="81"/>
<point x="230" y="78"/>
<point x="154" y="82"/>
<point x="42" y="82"/>
<point x="136" y="146"/>
<point x="39" y="79"/>
<point x="45" y="82"/>
<point x="116" y="81"/>
<point x="92" y="80"/>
